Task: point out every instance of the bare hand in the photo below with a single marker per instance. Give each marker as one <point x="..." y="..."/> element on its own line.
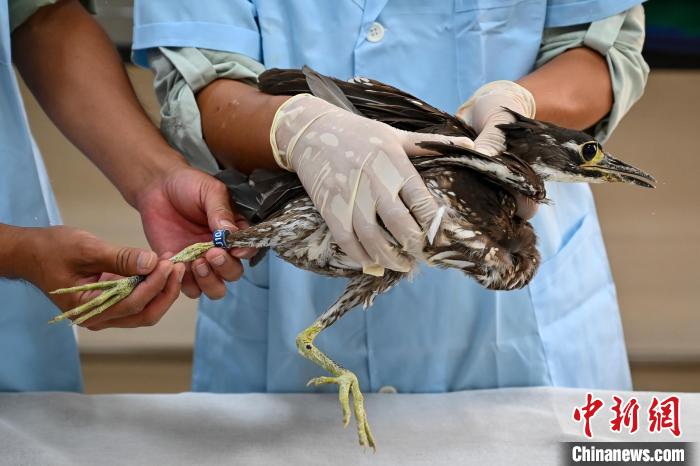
<point x="57" y="257"/>
<point x="184" y="207"/>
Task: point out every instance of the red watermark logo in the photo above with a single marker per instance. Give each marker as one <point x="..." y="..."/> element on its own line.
<point x="661" y="415"/>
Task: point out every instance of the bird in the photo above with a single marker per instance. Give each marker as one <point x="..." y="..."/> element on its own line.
<point x="476" y="229"/>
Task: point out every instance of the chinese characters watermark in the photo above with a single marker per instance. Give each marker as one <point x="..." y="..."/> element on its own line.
<point x="661" y="415"/>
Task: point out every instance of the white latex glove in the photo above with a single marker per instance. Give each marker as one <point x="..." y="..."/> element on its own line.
<point x="356" y="169"/>
<point x="484" y="110"/>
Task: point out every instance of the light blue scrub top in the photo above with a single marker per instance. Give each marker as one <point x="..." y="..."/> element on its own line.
<point x="33" y="354"/>
<point x="441" y="332"/>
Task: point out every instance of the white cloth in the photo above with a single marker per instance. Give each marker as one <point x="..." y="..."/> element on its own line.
<point x="506" y="426"/>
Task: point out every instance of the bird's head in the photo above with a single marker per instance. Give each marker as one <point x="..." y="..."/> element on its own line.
<point x="566" y="155"/>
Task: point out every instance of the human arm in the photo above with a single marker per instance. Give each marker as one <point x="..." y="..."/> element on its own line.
<point x="572" y="90"/>
<point x="202" y="99"/>
<point x="56" y="257"/>
<point x="619" y="40"/>
<point x="356" y="171"/>
<point x="553" y="93"/>
<point x="585" y="77"/>
<point x="248" y="112"/>
<point x="80" y="81"/>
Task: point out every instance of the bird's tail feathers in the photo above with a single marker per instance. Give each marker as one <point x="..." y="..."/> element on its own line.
<point x="512" y="264"/>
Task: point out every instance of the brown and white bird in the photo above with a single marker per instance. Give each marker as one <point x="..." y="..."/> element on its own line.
<point x="476" y="230"/>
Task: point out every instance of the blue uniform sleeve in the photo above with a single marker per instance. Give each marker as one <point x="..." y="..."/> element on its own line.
<point x="571" y="12"/>
<point x="21" y="10"/>
<point x="225" y="25"/>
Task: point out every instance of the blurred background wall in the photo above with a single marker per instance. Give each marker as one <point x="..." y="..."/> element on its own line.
<point x="652" y="236"/>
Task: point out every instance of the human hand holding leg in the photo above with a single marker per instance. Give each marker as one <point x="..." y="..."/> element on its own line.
<point x="183" y="207"/>
<point x="73" y="69"/>
<point x="54" y="257"/>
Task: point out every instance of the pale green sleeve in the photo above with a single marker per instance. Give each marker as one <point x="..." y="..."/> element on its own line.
<point x="179" y="74"/>
<point x="21" y="10"/>
<point x="619" y="39"/>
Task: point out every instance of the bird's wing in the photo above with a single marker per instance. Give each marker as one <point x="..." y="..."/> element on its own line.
<point x="277" y="189"/>
<point x="367" y="97"/>
<point x="262" y="193"/>
<point x="504" y="169"/>
<point x="397" y="108"/>
<point x="244" y="197"/>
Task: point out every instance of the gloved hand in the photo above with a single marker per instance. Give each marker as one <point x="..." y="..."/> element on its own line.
<point x="484" y="110"/>
<point x="354" y="170"/>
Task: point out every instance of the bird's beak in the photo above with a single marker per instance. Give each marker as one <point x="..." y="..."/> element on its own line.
<point x="611" y="169"/>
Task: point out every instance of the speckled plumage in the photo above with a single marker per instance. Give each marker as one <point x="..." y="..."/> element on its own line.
<point x="478" y="233"/>
<point x="476" y="230"/>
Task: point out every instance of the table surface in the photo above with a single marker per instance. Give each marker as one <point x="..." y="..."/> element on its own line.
<point x="506" y="426"/>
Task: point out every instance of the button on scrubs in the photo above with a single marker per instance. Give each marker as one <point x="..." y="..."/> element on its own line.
<point x="33" y="354"/>
<point x="442" y="331"/>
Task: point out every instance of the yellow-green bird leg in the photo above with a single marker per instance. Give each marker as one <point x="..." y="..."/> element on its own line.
<point x="346" y="380"/>
<point x="114" y="291"/>
<point x="84" y="307"/>
<point x="88" y="287"/>
<point x="100" y="309"/>
<point x="191" y="252"/>
<point x="361" y="289"/>
<point x="253" y="237"/>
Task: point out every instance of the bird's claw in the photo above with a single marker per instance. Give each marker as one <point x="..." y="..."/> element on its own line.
<point x="113" y="292"/>
<point x="347" y="383"/>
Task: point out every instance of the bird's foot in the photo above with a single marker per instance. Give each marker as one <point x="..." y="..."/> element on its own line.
<point x="347" y="383"/>
<point x="113" y="291"/>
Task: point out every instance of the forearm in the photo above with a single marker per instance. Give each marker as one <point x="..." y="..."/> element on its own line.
<point x="236" y="121"/>
<point x="72" y="68"/>
<point x="236" y="117"/>
<point x="573" y="90"/>
<point x="12" y="251"/>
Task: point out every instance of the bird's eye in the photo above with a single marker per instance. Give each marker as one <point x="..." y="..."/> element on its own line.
<point x="589" y="151"/>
